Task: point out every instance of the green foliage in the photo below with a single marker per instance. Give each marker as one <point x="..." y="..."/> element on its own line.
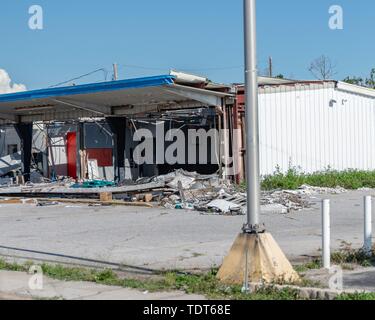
<point x="279" y="180"/>
<point x="293" y="179"/>
<point x="208" y="285"/>
<point x="356" y="296"/>
<point x="105" y="277"/>
<point x="11" y="266"/>
<point x="368" y="82"/>
<point x="269" y="293"/>
<point x="353" y="256"/>
<point x="312" y="265"/>
<point x="355" y="80"/>
<point x="68" y="274"/>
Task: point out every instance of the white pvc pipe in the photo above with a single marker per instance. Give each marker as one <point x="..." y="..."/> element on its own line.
<point x="326" y="234"/>
<point x="368" y="224"/>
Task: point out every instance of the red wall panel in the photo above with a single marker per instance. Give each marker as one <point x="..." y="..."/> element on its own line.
<point x="71" y="141"/>
<point x="103" y="156"/>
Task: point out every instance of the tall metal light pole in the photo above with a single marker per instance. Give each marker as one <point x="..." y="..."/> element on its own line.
<point x="242" y="264"/>
<point x="252" y="125"/>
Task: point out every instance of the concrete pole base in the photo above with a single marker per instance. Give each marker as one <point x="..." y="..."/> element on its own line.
<point x="258" y="256"/>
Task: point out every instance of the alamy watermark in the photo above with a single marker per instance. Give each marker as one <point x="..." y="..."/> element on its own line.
<point x="37" y="284"/>
<point x="186" y="147"/>
<point x="336" y="20"/>
<point x="36" y="21"/>
<point x="36" y="278"/>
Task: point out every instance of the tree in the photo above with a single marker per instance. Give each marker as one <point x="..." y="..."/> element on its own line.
<point x="368" y="82"/>
<point x="355" y="80"/>
<point x="322" y="68"/>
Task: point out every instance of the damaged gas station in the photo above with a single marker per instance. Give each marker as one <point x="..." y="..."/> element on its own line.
<point x="62" y="130"/>
<point x="83" y="143"/>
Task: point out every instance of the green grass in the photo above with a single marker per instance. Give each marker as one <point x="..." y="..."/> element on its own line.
<point x="203" y="284"/>
<point x="311" y="265"/>
<point x="347" y="258"/>
<point x="353" y="256"/>
<point x="12" y="266"/>
<point x="269" y="293"/>
<point x="356" y="296"/>
<point x="293" y="179"/>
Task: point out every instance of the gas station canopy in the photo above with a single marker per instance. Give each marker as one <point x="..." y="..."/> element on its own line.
<point x="116" y="98"/>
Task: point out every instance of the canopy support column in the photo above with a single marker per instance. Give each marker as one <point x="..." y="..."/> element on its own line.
<point x="25" y="133"/>
<point x="117" y="125"/>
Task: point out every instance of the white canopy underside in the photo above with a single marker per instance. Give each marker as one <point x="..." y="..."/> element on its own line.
<point x="121" y="102"/>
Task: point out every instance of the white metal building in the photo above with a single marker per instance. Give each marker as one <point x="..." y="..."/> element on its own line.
<point x="315" y="125"/>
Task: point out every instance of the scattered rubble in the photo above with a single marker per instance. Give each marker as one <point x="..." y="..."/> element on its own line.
<point x="295" y="200"/>
<point x="205" y="193"/>
<point x="309" y="190"/>
<point x="284" y="200"/>
<point x="223" y="206"/>
<point x="10" y="163"/>
<point x="208" y="194"/>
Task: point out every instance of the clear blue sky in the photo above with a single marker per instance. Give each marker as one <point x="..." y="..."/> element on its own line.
<point x="204" y="36"/>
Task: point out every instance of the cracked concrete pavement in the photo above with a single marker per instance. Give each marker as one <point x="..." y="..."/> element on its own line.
<point x="139" y="239"/>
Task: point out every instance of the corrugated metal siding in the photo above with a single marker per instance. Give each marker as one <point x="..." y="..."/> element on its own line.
<point x="299" y="128"/>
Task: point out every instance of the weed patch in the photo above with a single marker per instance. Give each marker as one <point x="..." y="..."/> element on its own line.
<point x="356" y="296"/>
<point x="314" y="264"/>
<point x="353" y="256"/>
<point x="293" y="179"/>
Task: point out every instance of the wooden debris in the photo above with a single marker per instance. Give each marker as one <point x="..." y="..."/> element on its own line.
<point x="49" y="190"/>
<point x="148" y="197"/>
<point x="112" y="203"/>
<point x="105" y="196"/>
<point x="144" y="197"/>
<point x="83" y="201"/>
<point x="17" y="201"/>
<point x="20" y="180"/>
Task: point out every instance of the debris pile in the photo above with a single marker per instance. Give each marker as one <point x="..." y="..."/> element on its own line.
<point x="205" y="193"/>
<point x="10" y="171"/>
<point x="10" y="163"/>
<point x="309" y="190"/>
<point x="295" y="200"/>
<point x="284" y="201"/>
<point x="208" y="194"/>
